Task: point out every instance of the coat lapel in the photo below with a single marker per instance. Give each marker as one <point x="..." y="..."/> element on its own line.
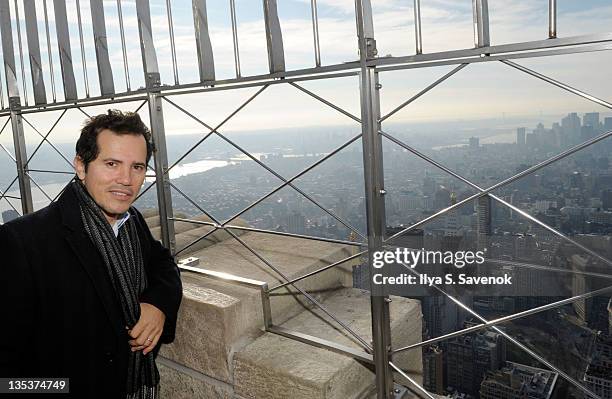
<point x="89" y="258"/>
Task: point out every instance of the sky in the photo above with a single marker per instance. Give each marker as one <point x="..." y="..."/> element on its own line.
<point x="480" y="91"/>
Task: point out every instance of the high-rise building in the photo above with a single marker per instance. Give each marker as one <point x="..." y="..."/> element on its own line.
<point x="606" y="199"/>
<point x="474" y="143"/>
<point x="520" y="136"/>
<point x="433" y="369"/>
<point x="591" y="119"/>
<point x="570" y="125"/>
<point x="607" y="124"/>
<point x="9" y="215"/>
<point x="518" y="381"/>
<point x="598" y="375"/>
<point x="484" y="221"/>
<point x="470" y="357"/>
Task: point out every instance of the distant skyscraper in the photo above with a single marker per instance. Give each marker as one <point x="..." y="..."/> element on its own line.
<point x="591" y="119"/>
<point x="520" y="136"/>
<point x="607" y="124"/>
<point x="9" y="215"/>
<point x="484" y="221"/>
<point x="517" y="381"/>
<point x="474" y="143"/>
<point x="470" y="357"/>
<point x="433" y="369"/>
<point x="598" y="375"/>
<point x="606" y="199"/>
<point x="570" y="125"/>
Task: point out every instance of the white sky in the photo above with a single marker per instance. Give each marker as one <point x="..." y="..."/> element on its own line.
<point x="479" y="91"/>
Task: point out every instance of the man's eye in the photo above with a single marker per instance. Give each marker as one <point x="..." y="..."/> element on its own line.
<point x="139" y="167"/>
<point x="111" y="164"/>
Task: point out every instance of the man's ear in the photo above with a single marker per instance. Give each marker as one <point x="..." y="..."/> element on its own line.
<point x="79" y="167"/>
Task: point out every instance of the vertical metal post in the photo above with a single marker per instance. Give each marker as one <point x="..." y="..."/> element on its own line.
<point x="12" y="89"/>
<point x="552" y="19"/>
<point x="36" y="71"/>
<point x="274" y="37"/>
<point x="162" y="179"/>
<point x="206" y="62"/>
<point x="481" y="23"/>
<point x="418" y="37"/>
<point x="235" y="37"/>
<point x="315" y="32"/>
<point x="151" y="70"/>
<point x="374" y="192"/>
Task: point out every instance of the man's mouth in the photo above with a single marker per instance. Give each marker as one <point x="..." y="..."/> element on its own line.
<point x="121" y="194"/>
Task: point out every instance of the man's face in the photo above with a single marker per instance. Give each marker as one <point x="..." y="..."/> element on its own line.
<point x="114" y="178"/>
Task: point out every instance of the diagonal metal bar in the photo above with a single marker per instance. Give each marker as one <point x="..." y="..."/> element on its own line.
<point x="60" y="172"/>
<point x="39" y="187"/>
<point x="293" y="186"/>
<point x="505" y="319"/>
<point x="3" y="194"/>
<point x="144" y="191"/>
<point x="4" y="126"/>
<point x="421" y="390"/>
<point x="212" y="130"/>
<point x="49" y="142"/>
<point x="6" y="197"/>
<point x="533" y="354"/>
<point x="45" y="137"/>
<point x="365" y="345"/>
<point x="287" y="182"/>
<point x="322" y="269"/>
<point x="425" y="90"/>
<point x="8" y="152"/>
<point x="340" y="148"/>
<point x="324" y="101"/>
<point x="504" y="182"/>
<point x="501" y="201"/>
<point x="272" y="232"/>
<point x="558" y="84"/>
<point x="84" y="112"/>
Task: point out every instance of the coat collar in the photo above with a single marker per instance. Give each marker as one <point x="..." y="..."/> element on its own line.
<point x="83" y="248"/>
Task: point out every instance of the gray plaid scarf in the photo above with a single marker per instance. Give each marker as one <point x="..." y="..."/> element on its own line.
<point x="123" y="258"/>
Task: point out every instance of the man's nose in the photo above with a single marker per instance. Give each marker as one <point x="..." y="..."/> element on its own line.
<point x="125" y="177"/>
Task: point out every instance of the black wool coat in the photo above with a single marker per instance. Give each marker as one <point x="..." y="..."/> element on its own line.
<point x="59" y="313"/>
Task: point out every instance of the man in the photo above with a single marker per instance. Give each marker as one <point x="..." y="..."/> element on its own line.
<point x="86" y="292"/>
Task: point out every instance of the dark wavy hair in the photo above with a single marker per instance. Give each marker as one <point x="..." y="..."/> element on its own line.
<point x="118" y="122"/>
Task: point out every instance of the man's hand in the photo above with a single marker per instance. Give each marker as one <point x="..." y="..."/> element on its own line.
<point x="148" y="329"/>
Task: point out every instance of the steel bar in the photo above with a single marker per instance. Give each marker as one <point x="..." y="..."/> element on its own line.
<point x="65" y="53"/>
<point x="6" y="198"/>
<point x="501" y="201"/>
<point x="373" y="172"/>
<point x="315" y="32"/>
<point x="172" y="44"/>
<point x="277" y="189"/>
<point x="162" y="178"/>
<point x="212" y="130"/>
<point x="36" y="72"/>
<point x="418" y="37"/>
<point x="61" y="172"/>
<point x="143" y="192"/>
<point x="83" y="60"/>
<point x="11" y="197"/>
<point x="264" y="231"/>
<point x="52" y="74"/>
<point x="206" y="62"/>
<point x="147" y="46"/>
<point x="274" y="37"/>
<point x="533" y="354"/>
<point x="78" y="104"/>
<point x="324" y="101"/>
<point x="23" y="74"/>
<point x="8" y="152"/>
<point x="25" y="190"/>
<point x="46" y="135"/>
<point x="105" y="71"/>
<point x="587" y="48"/>
<point x="425" y="90"/>
<point x="39" y="187"/>
<point x="552" y="19"/>
<point x="504" y="182"/>
<point x="235" y="38"/>
<point x="322" y="343"/>
<point x="498" y="49"/>
<point x="126" y="69"/>
<point x="8" y="54"/>
<point x="421" y="390"/>
<point x="505" y="319"/>
<point x="481" y="23"/>
<point x="558" y="84"/>
<point x="322" y="269"/>
<point x="221" y="276"/>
